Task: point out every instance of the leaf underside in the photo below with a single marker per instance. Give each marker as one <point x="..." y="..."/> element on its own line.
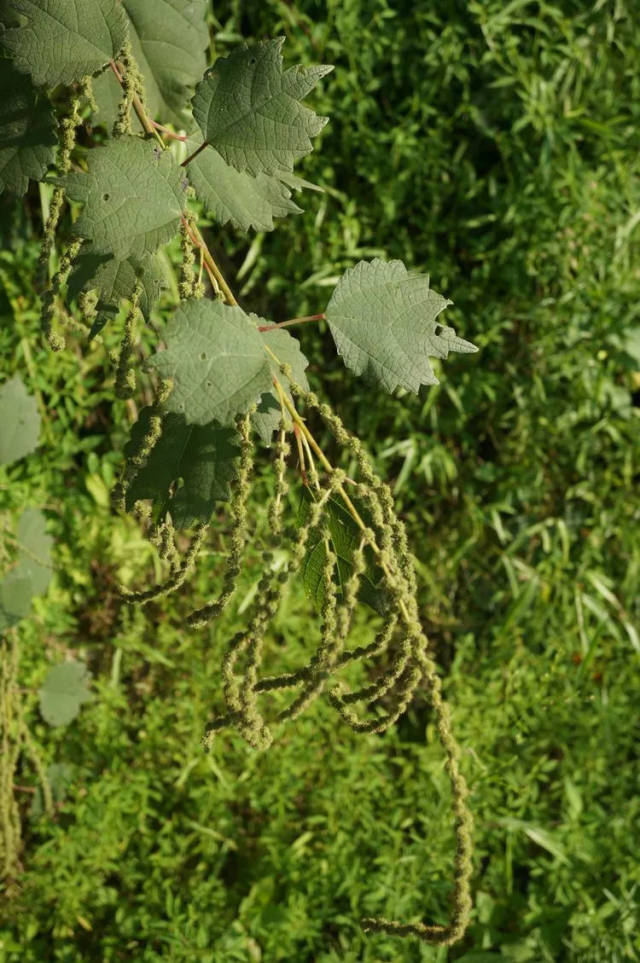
<point x="19" y="421"/>
<point x="133" y="196"/>
<point x="169" y="39"/>
<point x="249" y="109"/>
<point x="384" y="322"/>
<point x="27" y="131"/>
<point x="202" y="456"/>
<point x="62" y="41"/>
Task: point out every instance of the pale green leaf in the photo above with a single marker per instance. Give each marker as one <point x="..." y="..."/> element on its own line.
<point x="384" y="322"/>
<point x="236" y="196"/>
<point x="63" y="691"/>
<point x="287" y="350"/>
<point x="202" y="456"/>
<point x="169" y="39"/>
<point x="31" y="573"/>
<point x="249" y="109"/>
<point x="19" y="421"/>
<point x="133" y="196"/>
<point x="61" y="41"/>
<point x="114" y="281"/>
<point x="27" y="131"/>
<point x="216" y="360"/>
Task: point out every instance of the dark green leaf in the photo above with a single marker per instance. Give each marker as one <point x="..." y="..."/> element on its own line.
<point x="249" y="109"/>
<point x="61" y="41"/>
<point x="133" y="196"/>
<point x="345" y="537"/>
<point x="203" y="457"/>
<point x="115" y="281"/>
<point x="27" y="131"/>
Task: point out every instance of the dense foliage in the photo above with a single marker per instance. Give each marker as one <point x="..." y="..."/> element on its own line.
<point x="507" y="165"/>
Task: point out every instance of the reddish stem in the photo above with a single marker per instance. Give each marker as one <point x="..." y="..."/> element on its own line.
<point x="288" y="324"/>
<point x="169" y="133"/>
<point x="195" y="154"/>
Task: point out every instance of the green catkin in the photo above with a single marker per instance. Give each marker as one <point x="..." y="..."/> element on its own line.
<point x="132" y="85"/>
<point x="55" y="341"/>
<point x="177" y="577"/>
<point x="239" y="529"/>
<point x="145" y="446"/>
<point x="404" y="586"/>
<point x="125" y="377"/>
<point x="283" y="449"/>
<point x="69" y="126"/>
<point x="10" y="723"/>
<point x="190" y="284"/>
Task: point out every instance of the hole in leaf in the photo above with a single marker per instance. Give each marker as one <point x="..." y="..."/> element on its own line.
<point x="438" y="329"/>
<point x="105" y="197"/>
<point x="208" y="384"/>
<point x="203" y="356"/>
<point x="252" y="62"/>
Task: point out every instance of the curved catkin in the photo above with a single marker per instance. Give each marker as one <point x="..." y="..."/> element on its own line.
<point x="55" y="341"/>
<point x="125" y="377"/>
<point x="69" y="126"/>
<point x="145" y="445"/>
<point x="132" y="85"/>
<point x="239" y="529"/>
<point x="176" y="578"/>
<point x="190" y="284"/>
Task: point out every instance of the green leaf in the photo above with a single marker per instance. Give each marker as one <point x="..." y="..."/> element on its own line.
<point x="384" y="322"/>
<point x="236" y="196"/>
<point x="169" y="39"/>
<point x="115" y="281"/>
<point x="27" y="131"/>
<point x="61" y="41"/>
<point x="249" y="109"/>
<point x="287" y="349"/>
<point x="203" y="456"/>
<point x="345" y="538"/>
<point x="59" y="776"/>
<point x="133" y="195"/>
<point x="19" y="421"/>
<point x="65" y="688"/>
<point x="32" y="572"/>
<point x="34" y="555"/>
<point x="216" y="360"/>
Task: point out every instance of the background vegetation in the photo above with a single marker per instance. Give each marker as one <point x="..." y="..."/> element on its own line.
<point x="496" y="146"/>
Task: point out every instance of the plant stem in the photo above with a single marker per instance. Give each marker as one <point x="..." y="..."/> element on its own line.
<point x="288" y="324"/>
<point x="139" y="109"/>
<point x="167" y="132"/>
<point x="195" y="154"/>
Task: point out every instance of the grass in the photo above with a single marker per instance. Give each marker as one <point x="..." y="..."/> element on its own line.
<point x="495" y="146"/>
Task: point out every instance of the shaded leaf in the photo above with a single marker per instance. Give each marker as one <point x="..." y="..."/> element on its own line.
<point x="31" y="573"/>
<point x="133" y="195"/>
<point x="345" y="539"/>
<point x="169" y="39"/>
<point x="236" y="196"/>
<point x="249" y="109"/>
<point x="203" y="456"/>
<point x="216" y="360"/>
<point x="59" y="776"/>
<point x="27" y="131"/>
<point x="384" y="323"/>
<point x="61" y="41"/>
<point x="114" y="281"/>
<point x="63" y="691"/>
<point x="19" y="421"/>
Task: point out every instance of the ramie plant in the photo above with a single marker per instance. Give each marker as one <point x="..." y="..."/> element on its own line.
<point x="180" y="138"/>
